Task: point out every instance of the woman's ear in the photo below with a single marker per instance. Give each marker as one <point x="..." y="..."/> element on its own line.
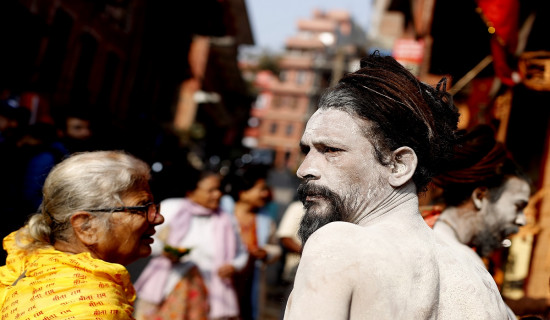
<point x="403" y="165"/>
<point x="478" y="195"/>
<point x="84" y="228"/>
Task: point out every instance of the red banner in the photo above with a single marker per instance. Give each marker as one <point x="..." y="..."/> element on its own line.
<point x="501" y="18"/>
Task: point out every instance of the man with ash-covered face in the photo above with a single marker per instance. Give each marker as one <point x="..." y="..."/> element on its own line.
<point x="376" y="140"/>
<point x="485" y="193"/>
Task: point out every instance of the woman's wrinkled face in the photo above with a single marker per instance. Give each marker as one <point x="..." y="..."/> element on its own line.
<point x="129" y="236"/>
<point x="207" y="193"/>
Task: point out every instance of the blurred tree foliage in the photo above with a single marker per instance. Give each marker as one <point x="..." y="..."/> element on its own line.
<point x="269" y="62"/>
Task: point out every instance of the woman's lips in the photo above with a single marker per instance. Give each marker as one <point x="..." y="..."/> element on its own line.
<point x="148" y="240"/>
<point x="148" y="237"/>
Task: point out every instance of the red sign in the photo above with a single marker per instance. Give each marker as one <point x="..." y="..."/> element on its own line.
<point x="409" y="53"/>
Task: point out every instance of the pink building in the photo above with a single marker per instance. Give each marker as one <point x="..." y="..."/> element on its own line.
<point x="323" y="48"/>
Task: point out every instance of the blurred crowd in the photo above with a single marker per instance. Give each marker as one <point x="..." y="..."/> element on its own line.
<point x="30" y="150"/>
<point x="230" y="236"/>
<point x="239" y="209"/>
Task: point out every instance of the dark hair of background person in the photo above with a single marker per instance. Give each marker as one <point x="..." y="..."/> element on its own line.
<point x="243" y="179"/>
<point x="18" y="118"/>
<point x="177" y="181"/>
<point x="66" y="112"/>
<point x="479" y="161"/>
<point x="193" y="177"/>
<point x="401" y="110"/>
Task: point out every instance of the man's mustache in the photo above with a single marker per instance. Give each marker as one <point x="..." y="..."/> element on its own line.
<point x="307" y="189"/>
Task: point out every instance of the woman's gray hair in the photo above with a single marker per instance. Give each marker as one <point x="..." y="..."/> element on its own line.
<point x="87" y="180"/>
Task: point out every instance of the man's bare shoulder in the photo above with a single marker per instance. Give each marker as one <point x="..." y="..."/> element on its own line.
<point x="347" y="244"/>
<point x="336" y="235"/>
<point x="368" y="265"/>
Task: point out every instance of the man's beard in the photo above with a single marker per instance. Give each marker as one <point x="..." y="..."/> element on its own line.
<point x="313" y="218"/>
<point x="488" y="241"/>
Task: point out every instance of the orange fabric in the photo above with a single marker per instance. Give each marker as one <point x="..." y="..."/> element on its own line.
<point x="188" y="300"/>
<point x="431" y="214"/>
<point x="249" y="235"/>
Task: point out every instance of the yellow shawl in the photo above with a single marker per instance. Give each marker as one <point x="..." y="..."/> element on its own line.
<point x="50" y="284"/>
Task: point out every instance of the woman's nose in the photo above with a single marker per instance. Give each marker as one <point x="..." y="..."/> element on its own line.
<point x="159" y="219"/>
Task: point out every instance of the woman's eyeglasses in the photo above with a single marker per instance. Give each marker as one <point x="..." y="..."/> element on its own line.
<point x="151" y="210"/>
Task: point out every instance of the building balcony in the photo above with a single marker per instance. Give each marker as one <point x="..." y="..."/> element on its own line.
<point x="290" y="88"/>
<point x="317" y="25"/>
<point x="296" y="62"/>
<point x="302" y="43"/>
<point x="278" y="141"/>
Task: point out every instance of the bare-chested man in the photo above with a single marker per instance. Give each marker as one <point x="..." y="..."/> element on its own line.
<point x="375" y="141"/>
<point x="485" y="193"/>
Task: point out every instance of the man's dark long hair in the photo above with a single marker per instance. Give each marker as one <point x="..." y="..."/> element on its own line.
<point x="402" y="111"/>
<point x="479" y="161"/>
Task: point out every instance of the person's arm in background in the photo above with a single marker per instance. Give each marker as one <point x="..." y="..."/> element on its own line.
<point x="241" y="257"/>
<point x="290" y="245"/>
<point x="288" y="228"/>
<point x="272" y="248"/>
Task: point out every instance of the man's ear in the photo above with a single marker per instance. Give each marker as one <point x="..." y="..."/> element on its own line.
<point x="403" y="165"/>
<point x="477" y="196"/>
<point x="84" y="228"/>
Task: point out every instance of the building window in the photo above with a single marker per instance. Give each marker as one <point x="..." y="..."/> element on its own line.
<point x="273" y="128"/>
<point x="287" y="100"/>
<point x="289" y="129"/>
<point x="301" y="77"/>
<point x="283" y="75"/>
<point x="287" y="157"/>
<point x="276" y="103"/>
<point x="294" y="103"/>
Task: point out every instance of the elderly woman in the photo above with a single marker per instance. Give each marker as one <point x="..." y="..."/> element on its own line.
<point x="67" y="262"/>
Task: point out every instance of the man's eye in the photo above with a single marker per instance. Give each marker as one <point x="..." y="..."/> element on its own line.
<point x="520" y="206"/>
<point x="331" y="150"/>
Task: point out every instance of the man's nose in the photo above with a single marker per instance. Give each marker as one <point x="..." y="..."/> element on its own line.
<point x="520" y="219"/>
<point x="307" y="170"/>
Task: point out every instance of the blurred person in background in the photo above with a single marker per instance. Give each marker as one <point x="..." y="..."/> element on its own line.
<point x="209" y="240"/>
<point x="74" y="126"/>
<point x="37" y="155"/>
<point x="14" y="122"/>
<point x="98" y="215"/>
<point x="250" y="196"/>
<point x="484" y="192"/>
<point x="287" y="233"/>
<point x="29" y="164"/>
